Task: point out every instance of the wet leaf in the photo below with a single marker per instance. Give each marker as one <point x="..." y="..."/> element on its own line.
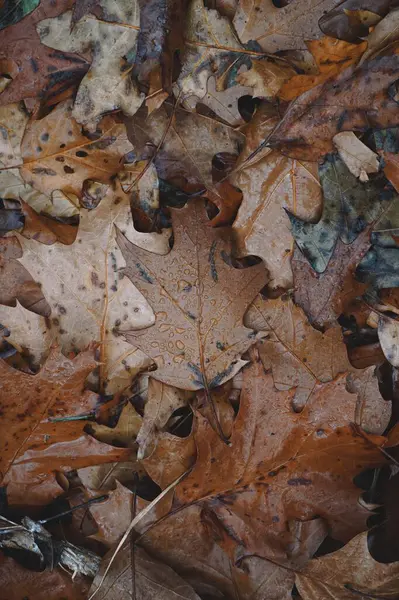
<point x="34" y="448"/>
<point x="349" y="206"/>
<point x="111" y="39"/>
<point x="11" y="12"/>
<point x="87" y="297"/>
<point x="196" y="296"/>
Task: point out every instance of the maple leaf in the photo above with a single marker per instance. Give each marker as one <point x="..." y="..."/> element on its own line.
<point x="331" y="56"/>
<point x="349" y="571"/>
<point x="269" y="182"/>
<point x="34" y="448"/>
<point x="111" y="40"/>
<point x="349" y="206"/>
<point x="58" y="154"/>
<point x="87" y="299"/>
<point x="356" y="100"/>
<point x="283" y="28"/>
<point x="198" y="300"/>
<point x="37" y="72"/>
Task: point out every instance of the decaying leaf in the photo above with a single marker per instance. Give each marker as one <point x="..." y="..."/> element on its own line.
<point x="34" y="448"/>
<point x="35" y="71"/>
<point x="356" y="100"/>
<point x="87" y="297"/>
<point x="151" y="578"/>
<point x="348" y="573"/>
<point x="276" y="28"/>
<point x="349" y="206"/>
<point x="12" y="12"/>
<point x="107" y="86"/>
<point x="198" y="300"/>
<point x="388" y="334"/>
<point x="266" y="77"/>
<point x="331" y="57"/>
<point x="271" y="182"/>
<point x="387" y="145"/>
<point x="351" y="20"/>
<point x="359" y="159"/>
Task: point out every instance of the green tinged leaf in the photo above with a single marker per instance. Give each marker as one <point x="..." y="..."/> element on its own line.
<point x="349" y="206"/>
<point x="380" y="268"/>
<point x="13" y="11"/>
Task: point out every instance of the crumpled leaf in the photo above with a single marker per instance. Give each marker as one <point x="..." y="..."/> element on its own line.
<point x="18" y="582"/>
<point x="11" y="12"/>
<point x="331" y="57"/>
<point x="58" y="155"/>
<point x="278" y="29"/>
<point x="359" y="159"/>
<point x="348" y="572"/>
<point x="152" y="579"/>
<point x="349" y="206"/>
<point x="289" y="348"/>
<point x="271" y="182"/>
<point x="356" y="100"/>
<point x="107" y="85"/>
<point x="191" y="141"/>
<point x="87" y="298"/>
<point x="211" y="49"/>
<point x="303" y="466"/>
<point x="324" y="297"/>
<point x="198" y="300"/>
<point x="33" y="447"/>
<point x="37" y="72"/>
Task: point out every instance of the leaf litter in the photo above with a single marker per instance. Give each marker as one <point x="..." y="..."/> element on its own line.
<point x="199" y="321"/>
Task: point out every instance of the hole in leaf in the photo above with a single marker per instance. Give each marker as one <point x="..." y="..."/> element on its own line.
<point x="180" y="422"/>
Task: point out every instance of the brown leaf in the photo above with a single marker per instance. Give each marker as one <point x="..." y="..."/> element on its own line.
<point x="228" y="200"/>
<point x="125" y="431"/>
<point x="267" y="78"/>
<point x="385" y="33"/>
<point x="348" y="573"/>
<point x="284" y="28"/>
<point x="151" y="578"/>
<point x="271" y="182"/>
<point x="331" y="56"/>
<point x="58" y="154"/>
<point x="351" y="20"/>
<point x="172" y="457"/>
<point x="354" y="101"/>
<point x="16" y="582"/>
<point x="33" y="448"/>
<point x="37" y="71"/>
<point x="325" y="296"/>
<point x="198" y="300"/>
<point x="281" y="465"/>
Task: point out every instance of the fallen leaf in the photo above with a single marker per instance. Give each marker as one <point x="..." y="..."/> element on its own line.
<point x="196" y="296"/>
<point x="349" y="206"/>
<point x="271" y="182"/>
<point x="267" y="78"/>
<point x="379" y="268"/>
<point x="348" y="572"/>
<point x="359" y="159"/>
<point x="356" y="100"/>
<point x="104" y="478"/>
<point x="324" y="297"/>
<point x="304" y="466"/>
<point x="58" y="154"/>
<point x="111" y="39"/>
<point x="387" y="146"/>
<point x="289" y="347"/>
<point x="171" y="457"/>
<point x="388" y="334"/>
<point x="37" y="72"/>
<point x="373" y="412"/>
<point x="331" y="57"/>
<point x="149" y="578"/>
<point x="228" y="200"/>
<point x="87" y="298"/>
<point x="384" y="34"/>
<point x="11" y="13"/>
<point x="17" y="582"/>
<point x="351" y="20"/>
<point x="277" y="29"/>
<point x="211" y="49"/>
<point x="188" y="144"/>
<point x="34" y="448"/>
<point x="125" y="431"/>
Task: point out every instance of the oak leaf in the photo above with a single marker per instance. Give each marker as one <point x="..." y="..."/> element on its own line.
<point x="107" y="86"/>
<point x="34" y="448"/>
<point x="198" y="300"/>
<point x="331" y="57"/>
<point x="347" y="573"/>
<point x="352" y="20"/>
<point x="359" y="159"/>
<point x="384" y="34"/>
<point x="58" y="154"/>
<point x="356" y="100"/>
<point x="271" y="182"/>
<point x="267" y="78"/>
<point x="283" y="28"/>
<point x="87" y="298"/>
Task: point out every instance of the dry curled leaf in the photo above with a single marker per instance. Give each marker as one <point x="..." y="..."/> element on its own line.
<point x="198" y="299"/>
<point x="34" y="448"/>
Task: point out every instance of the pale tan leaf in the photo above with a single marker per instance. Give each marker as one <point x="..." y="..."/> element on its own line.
<point x="266" y="77"/>
<point x="359" y="159"/>
<point x="125" y="431"/>
<point x="384" y="33"/>
<point x="388" y="334"/>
